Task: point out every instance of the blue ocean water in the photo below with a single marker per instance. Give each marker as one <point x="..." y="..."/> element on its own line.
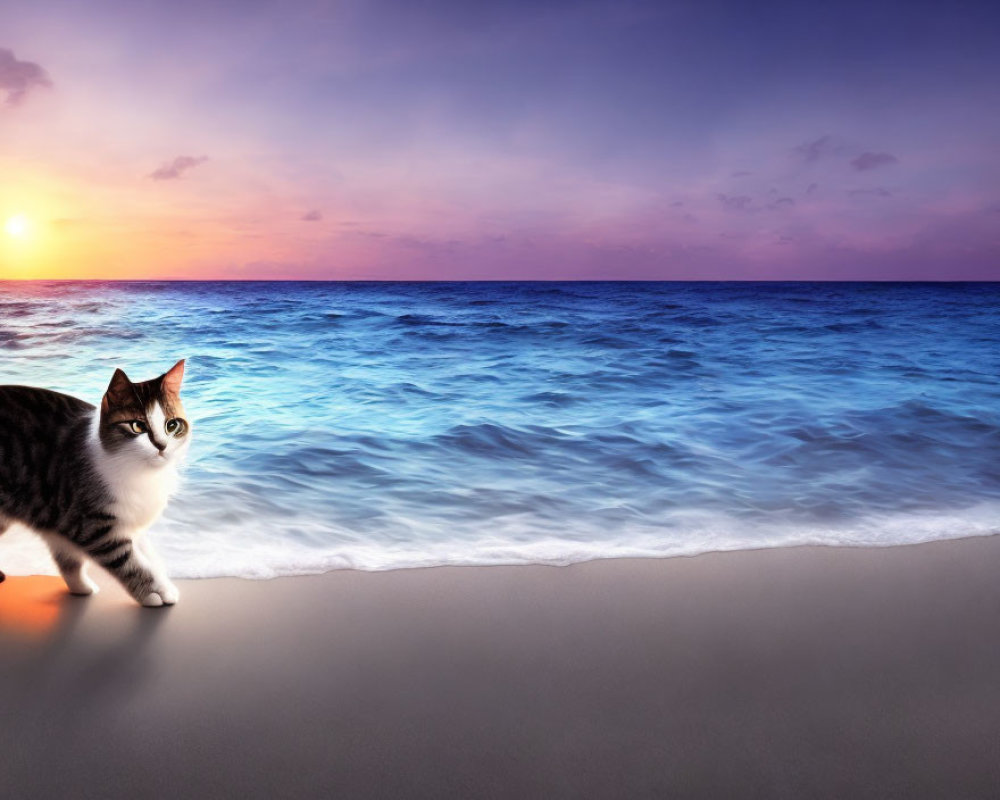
<point x="381" y="425"/>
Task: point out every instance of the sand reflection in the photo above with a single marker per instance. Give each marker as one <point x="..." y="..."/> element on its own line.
<point x="67" y="657"/>
<point x="30" y="607"/>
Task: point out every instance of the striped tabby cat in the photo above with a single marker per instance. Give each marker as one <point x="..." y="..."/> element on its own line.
<point x="91" y="480"/>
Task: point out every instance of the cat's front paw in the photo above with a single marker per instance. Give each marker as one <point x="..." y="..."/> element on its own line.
<point x="169" y="593"/>
<point x="83" y="587"/>
<point x="163" y="596"/>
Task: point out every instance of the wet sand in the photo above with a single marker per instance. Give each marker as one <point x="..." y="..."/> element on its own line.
<point x="791" y="673"/>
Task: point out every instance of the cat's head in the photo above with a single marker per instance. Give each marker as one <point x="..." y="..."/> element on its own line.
<point x="146" y="421"/>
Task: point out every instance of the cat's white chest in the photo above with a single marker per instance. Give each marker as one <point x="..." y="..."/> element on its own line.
<point x="139" y="493"/>
<point x="141" y="497"/>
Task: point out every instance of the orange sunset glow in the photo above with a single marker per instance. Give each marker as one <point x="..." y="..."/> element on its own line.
<point x="31" y="605"/>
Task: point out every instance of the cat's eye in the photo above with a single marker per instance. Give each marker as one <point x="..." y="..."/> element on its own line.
<point x="137" y="427"/>
<point x="175" y="426"/>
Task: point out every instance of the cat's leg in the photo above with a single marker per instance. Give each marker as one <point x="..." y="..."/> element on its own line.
<point x="72" y="567"/>
<point x="116" y="551"/>
<point x="157" y="567"/>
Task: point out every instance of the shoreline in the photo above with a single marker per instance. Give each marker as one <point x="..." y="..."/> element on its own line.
<point x="821" y="671"/>
<point x="22" y="538"/>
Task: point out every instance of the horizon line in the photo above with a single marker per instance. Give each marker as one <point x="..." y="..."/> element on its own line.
<point x="501" y="280"/>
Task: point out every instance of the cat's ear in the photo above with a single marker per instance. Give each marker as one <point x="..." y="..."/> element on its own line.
<point x="119" y="391"/>
<point x="172" y="380"/>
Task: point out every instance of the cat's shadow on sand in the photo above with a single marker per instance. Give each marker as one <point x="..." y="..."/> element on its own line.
<point x="68" y="657"/>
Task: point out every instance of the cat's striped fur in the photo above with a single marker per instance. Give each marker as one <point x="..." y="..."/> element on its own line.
<point x="91" y="480"/>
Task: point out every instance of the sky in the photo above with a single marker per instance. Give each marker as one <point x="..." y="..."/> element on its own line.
<point x="542" y="140"/>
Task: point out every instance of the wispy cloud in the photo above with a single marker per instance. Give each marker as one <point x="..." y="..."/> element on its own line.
<point x="813" y="151"/>
<point x="177" y="167"/>
<point x="867" y="161"/>
<point x="878" y="191"/>
<point x="17" y="78"/>
<point x="312" y="216"/>
<point x="735" y="202"/>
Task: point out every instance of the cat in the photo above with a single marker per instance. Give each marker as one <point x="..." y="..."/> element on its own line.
<point x="91" y="480"/>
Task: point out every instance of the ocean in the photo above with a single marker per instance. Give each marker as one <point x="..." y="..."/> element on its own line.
<point x="386" y="425"/>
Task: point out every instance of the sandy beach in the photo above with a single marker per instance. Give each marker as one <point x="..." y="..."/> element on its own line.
<point x="805" y="672"/>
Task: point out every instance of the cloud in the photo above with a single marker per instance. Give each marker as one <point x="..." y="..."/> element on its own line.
<point x="782" y="202"/>
<point x="177" y="167"/>
<point x="17" y="78"/>
<point x="312" y="216"/>
<point x="735" y="202"/>
<point x="741" y="173"/>
<point x="868" y="161"/>
<point x="813" y="151"/>
<point x="878" y="191"/>
<point x="812" y="187"/>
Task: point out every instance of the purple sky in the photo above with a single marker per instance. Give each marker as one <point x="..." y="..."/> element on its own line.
<point x="534" y="140"/>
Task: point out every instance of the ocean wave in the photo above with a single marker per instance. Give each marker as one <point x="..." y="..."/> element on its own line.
<point x="292" y="547"/>
<point x="387" y="425"/>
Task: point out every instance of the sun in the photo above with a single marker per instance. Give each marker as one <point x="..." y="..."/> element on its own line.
<point x="18" y="226"/>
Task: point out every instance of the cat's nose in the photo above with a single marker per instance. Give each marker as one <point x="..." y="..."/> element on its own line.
<point x="158" y="445"/>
